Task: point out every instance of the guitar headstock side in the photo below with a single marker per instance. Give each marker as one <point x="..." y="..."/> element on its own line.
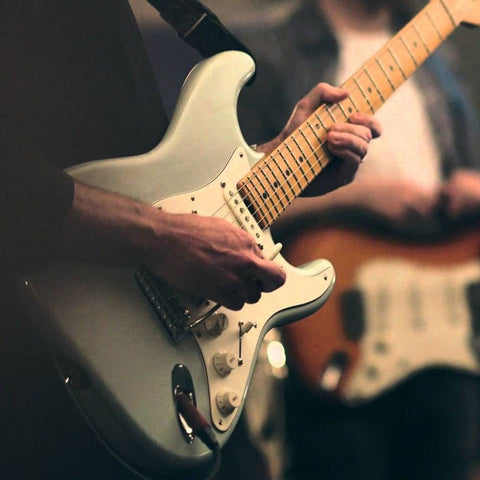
<point x="466" y="12"/>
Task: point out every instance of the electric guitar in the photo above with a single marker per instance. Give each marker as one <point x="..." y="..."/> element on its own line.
<point x="399" y="306"/>
<point x="124" y="341"/>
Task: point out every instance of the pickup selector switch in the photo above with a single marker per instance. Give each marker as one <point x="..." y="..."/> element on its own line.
<point x="227" y="401"/>
<point x="224" y="362"/>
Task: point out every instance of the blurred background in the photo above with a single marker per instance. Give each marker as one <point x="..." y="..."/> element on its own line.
<point x="465" y="40"/>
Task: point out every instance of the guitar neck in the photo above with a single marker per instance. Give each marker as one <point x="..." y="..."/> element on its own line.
<point x="281" y="176"/>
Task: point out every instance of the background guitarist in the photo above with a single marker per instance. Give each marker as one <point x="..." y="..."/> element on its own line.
<point x="426" y="161"/>
<point x="75" y="86"/>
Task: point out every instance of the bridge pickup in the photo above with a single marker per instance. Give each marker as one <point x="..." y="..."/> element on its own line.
<point x="169" y="306"/>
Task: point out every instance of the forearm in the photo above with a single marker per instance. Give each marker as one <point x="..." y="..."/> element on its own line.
<point x="206" y="256"/>
<point x="104" y="226"/>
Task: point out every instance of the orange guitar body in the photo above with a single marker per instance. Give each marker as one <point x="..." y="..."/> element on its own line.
<point x="321" y="337"/>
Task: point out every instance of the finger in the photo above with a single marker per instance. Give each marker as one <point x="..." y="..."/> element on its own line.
<point x="231" y="300"/>
<point x="321" y="93"/>
<point x="369" y="121"/>
<point x="347" y="146"/>
<point x="360" y="131"/>
<point x="253" y="291"/>
<point x="269" y="276"/>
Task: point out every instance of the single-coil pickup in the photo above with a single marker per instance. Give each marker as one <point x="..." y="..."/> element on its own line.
<point x="241" y="212"/>
<point x="247" y="221"/>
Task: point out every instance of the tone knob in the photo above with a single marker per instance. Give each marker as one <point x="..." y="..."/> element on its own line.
<point x="224" y="362"/>
<point x="227" y="401"/>
<point x="215" y="324"/>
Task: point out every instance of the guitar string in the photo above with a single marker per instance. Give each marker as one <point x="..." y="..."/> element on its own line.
<point x="240" y="197"/>
<point x="412" y="27"/>
<point x="282" y="149"/>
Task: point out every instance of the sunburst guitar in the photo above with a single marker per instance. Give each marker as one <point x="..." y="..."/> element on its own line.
<point x="400" y="305"/>
<point x="124" y="341"/>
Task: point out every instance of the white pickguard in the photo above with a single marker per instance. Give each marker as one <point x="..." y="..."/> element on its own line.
<point x="96" y="317"/>
<point x="415" y="317"/>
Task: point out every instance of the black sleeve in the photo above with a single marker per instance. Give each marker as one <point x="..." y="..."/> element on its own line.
<point x="34" y="196"/>
<point x="34" y="192"/>
<point x="75" y="86"/>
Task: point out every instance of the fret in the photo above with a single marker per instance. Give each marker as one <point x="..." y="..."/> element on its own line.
<point x="301" y="155"/>
<point x="299" y="147"/>
<point x="300" y="161"/>
<point x="319" y="140"/>
<point x="277" y="175"/>
<point x="434" y="25"/>
<point x="409" y="62"/>
<point x="277" y="184"/>
<point x="422" y="40"/>
<point x="300" y="169"/>
<point x="308" y="179"/>
<point x="261" y="194"/>
<point x="314" y="150"/>
<point x="417" y="44"/>
<point x="397" y="63"/>
<point x="287" y="182"/>
<point x="412" y="56"/>
<point x="272" y="187"/>
<point x="444" y="20"/>
<point x="367" y="100"/>
<point x="306" y="159"/>
<point x="317" y="116"/>
<point x="310" y="146"/>
<point x="353" y="103"/>
<point x="313" y="169"/>
<point x="290" y="169"/>
<point x="251" y="199"/>
<point x="379" y="63"/>
<point x="266" y="197"/>
<point x="374" y="85"/>
<point x="340" y="106"/>
<point x="449" y="13"/>
<point x="330" y="114"/>
<point x="393" y="71"/>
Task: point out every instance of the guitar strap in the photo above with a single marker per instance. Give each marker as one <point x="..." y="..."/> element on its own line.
<point x="198" y="26"/>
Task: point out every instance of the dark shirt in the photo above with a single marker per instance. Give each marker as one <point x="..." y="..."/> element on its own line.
<point x="75" y="86"/>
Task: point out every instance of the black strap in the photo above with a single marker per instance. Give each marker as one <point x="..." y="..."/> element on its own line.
<point x="198" y="26"/>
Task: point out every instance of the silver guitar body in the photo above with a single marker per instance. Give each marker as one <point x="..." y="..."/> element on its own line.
<point x="116" y="354"/>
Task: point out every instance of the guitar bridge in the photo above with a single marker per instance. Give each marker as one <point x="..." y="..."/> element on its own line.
<point x="169" y="306"/>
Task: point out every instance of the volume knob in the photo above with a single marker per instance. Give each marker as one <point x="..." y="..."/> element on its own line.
<point x="215" y="324"/>
<point x="227" y="401"/>
<point x="224" y="362"/>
